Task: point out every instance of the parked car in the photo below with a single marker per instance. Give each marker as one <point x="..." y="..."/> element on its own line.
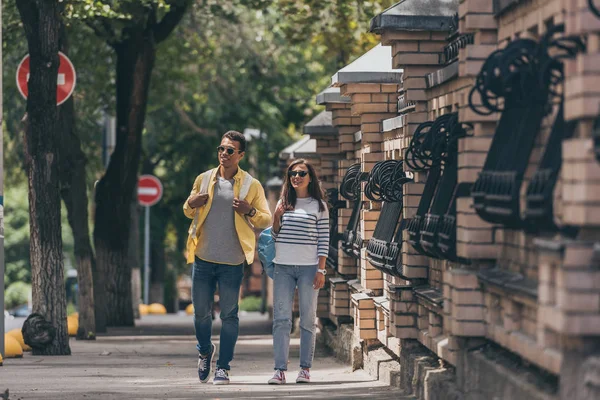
<point x="20" y="311"/>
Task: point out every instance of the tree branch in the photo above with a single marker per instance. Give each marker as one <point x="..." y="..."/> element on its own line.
<point x="191" y="124"/>
<point x="163" y="29"/>
<point x="107" y="33"/>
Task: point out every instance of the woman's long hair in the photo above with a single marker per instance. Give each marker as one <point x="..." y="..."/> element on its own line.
<point x="288" y="193"/>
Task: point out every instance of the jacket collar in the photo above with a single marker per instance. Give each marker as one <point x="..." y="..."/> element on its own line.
<point x="237" y="177"/>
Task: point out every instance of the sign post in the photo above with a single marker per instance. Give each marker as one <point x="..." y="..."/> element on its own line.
<point x="150" y="192"/>
<point x="65" y="81"/>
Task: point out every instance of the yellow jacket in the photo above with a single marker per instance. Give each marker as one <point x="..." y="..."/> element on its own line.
<point x="256" y="197"/>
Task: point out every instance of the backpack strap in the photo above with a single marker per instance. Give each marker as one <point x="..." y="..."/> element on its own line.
<point x="246" y="186"/>
<point x="205" y="181"/>
<point x="203" y="190"/>
<point x="244" y="193"/>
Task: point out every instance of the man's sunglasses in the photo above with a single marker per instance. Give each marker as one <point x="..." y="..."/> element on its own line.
<point x="228" y="150"/>
<point x="301" y="174"/>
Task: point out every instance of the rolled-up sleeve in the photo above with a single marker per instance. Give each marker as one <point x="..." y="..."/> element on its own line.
<point x="262" y="219"/>
<point x="187" y="210"/>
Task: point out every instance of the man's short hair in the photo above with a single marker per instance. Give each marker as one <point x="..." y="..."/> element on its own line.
<point x="236" y="136"/>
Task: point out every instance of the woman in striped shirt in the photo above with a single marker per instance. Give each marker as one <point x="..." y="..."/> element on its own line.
<point x="301" y="233"/>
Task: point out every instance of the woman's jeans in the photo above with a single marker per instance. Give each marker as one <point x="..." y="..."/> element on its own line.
<point x="285" y="281"/>
<point x="205" y="276"/>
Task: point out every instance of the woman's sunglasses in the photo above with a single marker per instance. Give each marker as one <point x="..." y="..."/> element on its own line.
<point x="228" y="150"/>
<point x="301" y="174"/>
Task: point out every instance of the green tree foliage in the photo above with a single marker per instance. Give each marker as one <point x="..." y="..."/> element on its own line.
<point x="17" y="294"/>
<point x="341" y="26"/>
<point x="16" y="238"/>
<point x="231" y="64"/>
<point x="237" y="70"/>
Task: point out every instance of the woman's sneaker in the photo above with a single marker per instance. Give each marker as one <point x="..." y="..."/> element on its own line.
<point x="221" y="377"/>
<point x="204" y="362"/>
<point x="303" y="376"/>
<point x="278" y="378"/>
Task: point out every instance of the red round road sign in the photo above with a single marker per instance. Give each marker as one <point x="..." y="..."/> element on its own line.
<point x="150" y="190"/>
<point x="65" y="82"/>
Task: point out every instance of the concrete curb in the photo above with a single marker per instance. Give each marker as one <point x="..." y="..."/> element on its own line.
<point x="415" y="372"/>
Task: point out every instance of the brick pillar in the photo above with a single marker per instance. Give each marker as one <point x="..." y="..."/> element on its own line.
<point x="347" y="126"/>
<point x="475" y="237"/>
<point x="372" y="103"/>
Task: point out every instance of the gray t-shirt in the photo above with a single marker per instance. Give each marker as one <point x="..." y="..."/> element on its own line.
<point x="220" y="242"/>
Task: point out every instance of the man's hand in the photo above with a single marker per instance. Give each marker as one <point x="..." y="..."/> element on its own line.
<point x="319" y="281"/>
<point x="198" y="200"/>
<point x="241" y="206"/>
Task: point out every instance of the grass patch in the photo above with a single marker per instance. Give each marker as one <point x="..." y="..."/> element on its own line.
<point x="251" y="303"/>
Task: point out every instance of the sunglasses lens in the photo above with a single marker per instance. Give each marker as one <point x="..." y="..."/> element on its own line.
<point x="301" y="174"/>
<point x="228" y="150"/>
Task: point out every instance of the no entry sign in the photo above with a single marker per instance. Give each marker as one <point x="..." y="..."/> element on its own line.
<point x="149" y="190"/>
<point x="65" y="81"/>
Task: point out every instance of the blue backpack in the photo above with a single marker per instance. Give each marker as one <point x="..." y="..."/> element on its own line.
<point x="266" y="251"/>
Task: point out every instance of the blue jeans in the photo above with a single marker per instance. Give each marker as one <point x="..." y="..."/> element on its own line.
<point x="286" y="279"/>
<point x="205" y="277"/>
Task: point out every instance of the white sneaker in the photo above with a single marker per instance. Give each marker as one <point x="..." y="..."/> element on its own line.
<point x="278" y="378"/>
<point x="303" y="376"/>
<point x="221" y="377"/>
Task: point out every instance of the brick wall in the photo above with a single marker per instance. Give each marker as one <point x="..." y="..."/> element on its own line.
<point x="536" y="294"/>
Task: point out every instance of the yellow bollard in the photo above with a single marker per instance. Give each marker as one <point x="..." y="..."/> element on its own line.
<point x="143" y="309"/>
<point x="0" y="360"/>
<point x="17" y="334"/>
<point x="12" y="348"/>
<point x="72" y="325"/>
<point x="157" y="308"/>
<point x="189" y="310"/>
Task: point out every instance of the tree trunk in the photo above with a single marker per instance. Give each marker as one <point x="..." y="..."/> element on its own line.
<point x="74" y="194"/>
<point x="114" y="192"/>
<point x="41" y="22"/>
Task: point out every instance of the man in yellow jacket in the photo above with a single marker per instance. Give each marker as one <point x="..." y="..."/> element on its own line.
<point x="225" y="204"/>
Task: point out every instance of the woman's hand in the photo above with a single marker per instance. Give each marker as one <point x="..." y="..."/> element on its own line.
<point x="319" y="281"/>
<point x="280" y="210"/>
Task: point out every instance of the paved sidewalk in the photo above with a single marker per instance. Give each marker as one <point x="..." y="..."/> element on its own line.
<point x="127" y="365"/>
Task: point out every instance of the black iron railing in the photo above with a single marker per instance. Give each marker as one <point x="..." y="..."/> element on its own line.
<point x="350" y="190"/>
<point x="593" y="8"/>
<point x="425" y="154"/>
<point x="438" y="227"/>
<point x="334" y="236"/>
<point x="539" y="214"/>
<point x="403" y="103"/>
<point x="452" y="49"/>
<point x="520" y="81"/>
<point x="434" y="148"/>
<point x="596" y="137"/>
<point x="385" y="185"/>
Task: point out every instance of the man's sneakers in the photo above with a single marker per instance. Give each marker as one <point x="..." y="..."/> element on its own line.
<point x="303" y="376"/>
<point x="204" y="362"/>
<point x="278" y="378"/>
<point x="221" y="377"/>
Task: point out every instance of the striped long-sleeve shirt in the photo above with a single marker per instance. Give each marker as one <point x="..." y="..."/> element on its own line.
<point x="304" y="234"/>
